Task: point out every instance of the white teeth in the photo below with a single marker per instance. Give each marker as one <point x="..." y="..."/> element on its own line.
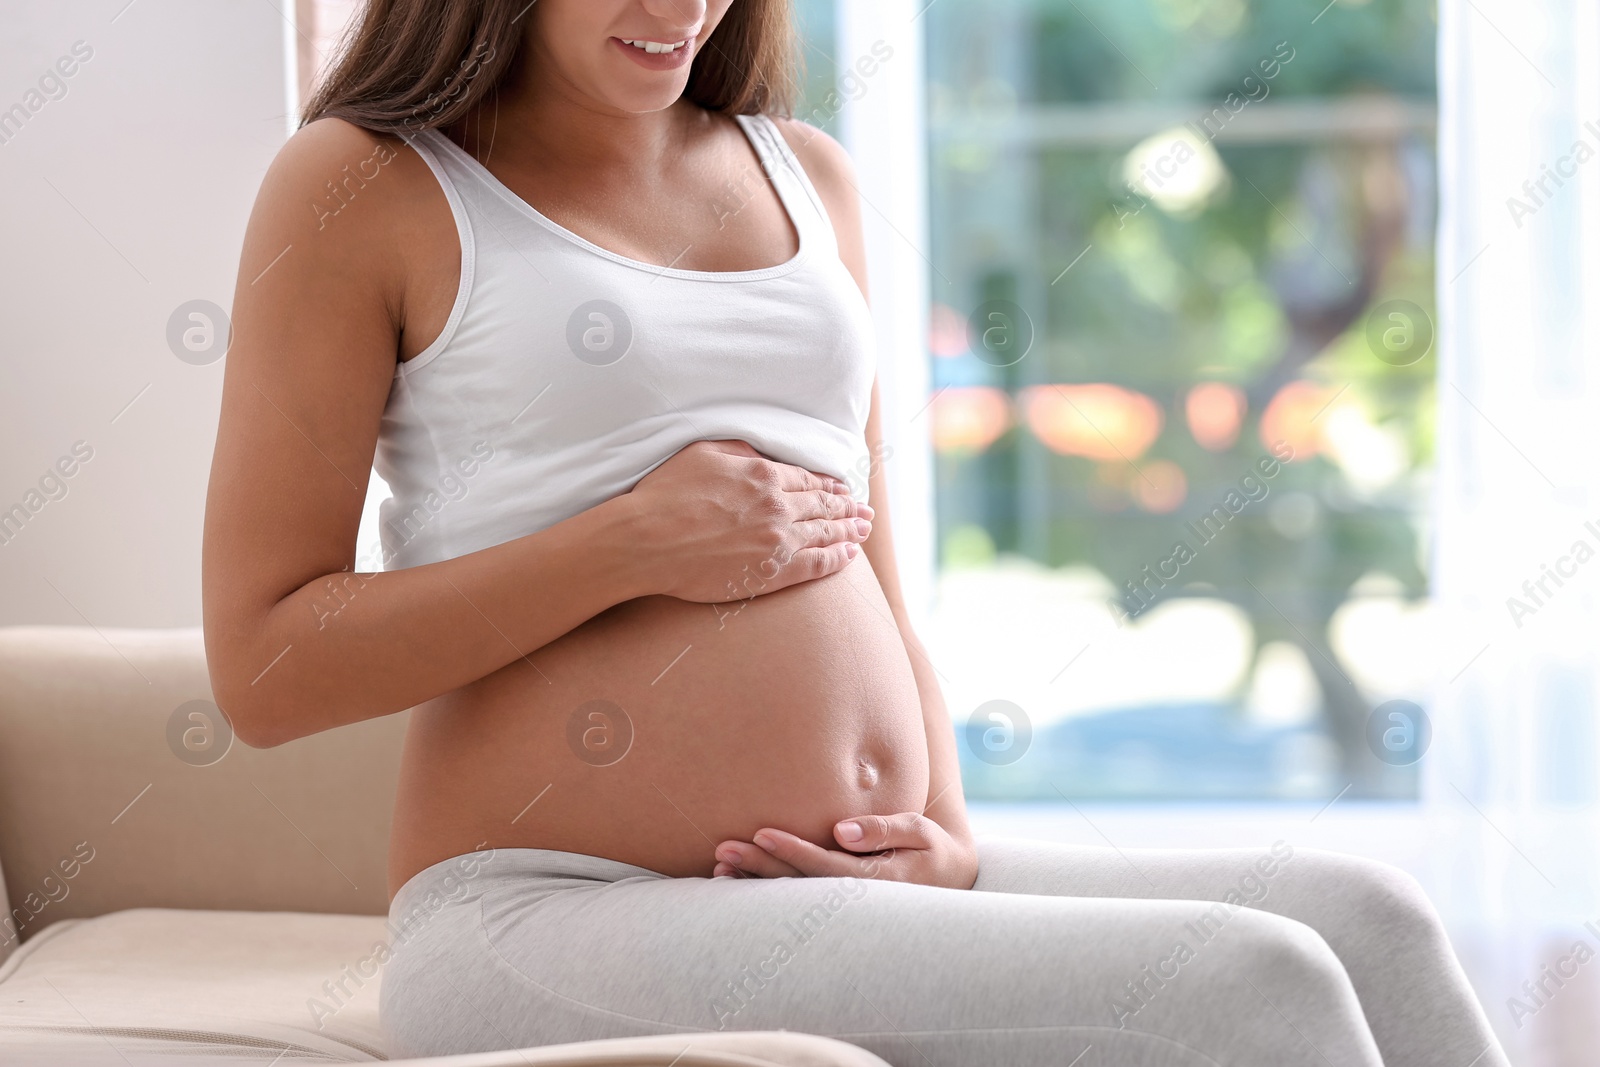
<point x="656" y="48"/>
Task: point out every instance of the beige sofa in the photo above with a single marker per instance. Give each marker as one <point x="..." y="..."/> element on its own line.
<point x="174" y="898"/>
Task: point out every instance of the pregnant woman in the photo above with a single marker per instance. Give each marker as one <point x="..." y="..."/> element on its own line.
<point x="595" y="310"/>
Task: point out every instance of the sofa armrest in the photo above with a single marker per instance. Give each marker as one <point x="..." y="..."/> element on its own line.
<point x="105" y="802"/>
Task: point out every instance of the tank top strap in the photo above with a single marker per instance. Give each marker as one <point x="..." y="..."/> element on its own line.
<point x="794" y="187"/>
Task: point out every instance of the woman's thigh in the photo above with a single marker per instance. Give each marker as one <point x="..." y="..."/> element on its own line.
<point x="1376" y="918"/>
<point x="917" y="974"/>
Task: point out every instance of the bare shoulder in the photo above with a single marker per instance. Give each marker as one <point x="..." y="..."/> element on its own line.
<point x="349" y="217"/>
<point x="833" y="175"/>
<point x="321" y="155"/>
<point x="351" y="187"/>
<point x="330" y="138"/>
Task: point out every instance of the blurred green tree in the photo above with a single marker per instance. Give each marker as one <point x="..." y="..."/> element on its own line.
<point x="1305" y="201"/>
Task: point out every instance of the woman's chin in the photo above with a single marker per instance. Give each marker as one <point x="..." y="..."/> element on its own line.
<point x="645" y="100"/>
<point x="631" y="95"/>
<point x="654" y="105"/>
<point x="630" y="83"/>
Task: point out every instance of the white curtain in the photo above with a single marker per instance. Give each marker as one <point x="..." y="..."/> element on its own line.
<point x="1511" y="778"/>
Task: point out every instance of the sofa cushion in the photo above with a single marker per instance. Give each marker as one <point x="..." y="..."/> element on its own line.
<point x="157" y="986"/>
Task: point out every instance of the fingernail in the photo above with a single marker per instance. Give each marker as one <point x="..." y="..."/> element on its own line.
<point x="849" y="831"/>
<point x="764" y="840"/>
<point x="730" y="857"/>
<point x="863" y="527"/>
<point x="866" y="510"/>
<point x="850" y="549"/>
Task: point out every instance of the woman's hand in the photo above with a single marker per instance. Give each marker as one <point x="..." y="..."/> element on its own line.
<point x="728" y="523"/>
<point x="909" y="847"/>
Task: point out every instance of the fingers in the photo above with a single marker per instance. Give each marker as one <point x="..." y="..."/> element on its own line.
<point x="874" y="833"/>
<point x="820" y="533"/>
<point x="740" y="858"/>
<point x="826" y="504"/>
<point x="779" y="854"/>
<point x="829" y="497"/>
<point x="809" y="564"/>
<point x="810" y="505"/>
<point x="809" y="860"/>
<point x="799" y="480"/>
<point x="824" y="519"/>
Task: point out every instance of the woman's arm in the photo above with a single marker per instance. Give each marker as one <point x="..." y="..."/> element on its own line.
<point x="295" y="641"/>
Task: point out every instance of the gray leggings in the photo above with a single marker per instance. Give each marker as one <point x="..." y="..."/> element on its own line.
<point x="1272" y="957"/>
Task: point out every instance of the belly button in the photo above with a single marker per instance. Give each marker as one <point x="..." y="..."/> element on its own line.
<point x="866" y="772"/>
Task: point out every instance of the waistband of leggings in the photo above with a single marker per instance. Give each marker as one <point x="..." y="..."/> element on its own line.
<point x="457" y="878"/>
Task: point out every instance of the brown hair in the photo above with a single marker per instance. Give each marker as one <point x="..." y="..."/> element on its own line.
<point x="418" y="64"/>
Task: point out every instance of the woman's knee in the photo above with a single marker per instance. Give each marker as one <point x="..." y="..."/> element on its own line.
<point x="1295" y="999"/>
<point x="1363" y="901"/>
<point x="1251" y="988"/>
<point x="1276" y="953"/>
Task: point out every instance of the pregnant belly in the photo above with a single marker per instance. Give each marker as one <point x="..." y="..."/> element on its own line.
<point x="660" y="728"/>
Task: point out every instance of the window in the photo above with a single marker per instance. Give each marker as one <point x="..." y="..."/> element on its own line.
<point x="1182" y="390"/>
<point x="319" y="25"/>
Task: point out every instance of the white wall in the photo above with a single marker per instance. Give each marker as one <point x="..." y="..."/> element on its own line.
<point x="120" y="201"/>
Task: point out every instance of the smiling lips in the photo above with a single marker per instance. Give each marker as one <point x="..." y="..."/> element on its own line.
<point x="656" y="55"/>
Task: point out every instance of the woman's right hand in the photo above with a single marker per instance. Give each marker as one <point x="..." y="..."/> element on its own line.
<point x="727" y="523"/>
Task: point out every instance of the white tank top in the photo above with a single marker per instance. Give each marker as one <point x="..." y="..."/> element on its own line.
<point x="566" y="373"/>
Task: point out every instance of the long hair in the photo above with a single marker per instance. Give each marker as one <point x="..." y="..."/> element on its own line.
<point x="411" y="65"/>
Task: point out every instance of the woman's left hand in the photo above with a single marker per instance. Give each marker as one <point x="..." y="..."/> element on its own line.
<point x="909" y="847"/>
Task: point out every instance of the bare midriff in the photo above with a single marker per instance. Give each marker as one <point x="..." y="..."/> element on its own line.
<point x="661" y="728"/>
